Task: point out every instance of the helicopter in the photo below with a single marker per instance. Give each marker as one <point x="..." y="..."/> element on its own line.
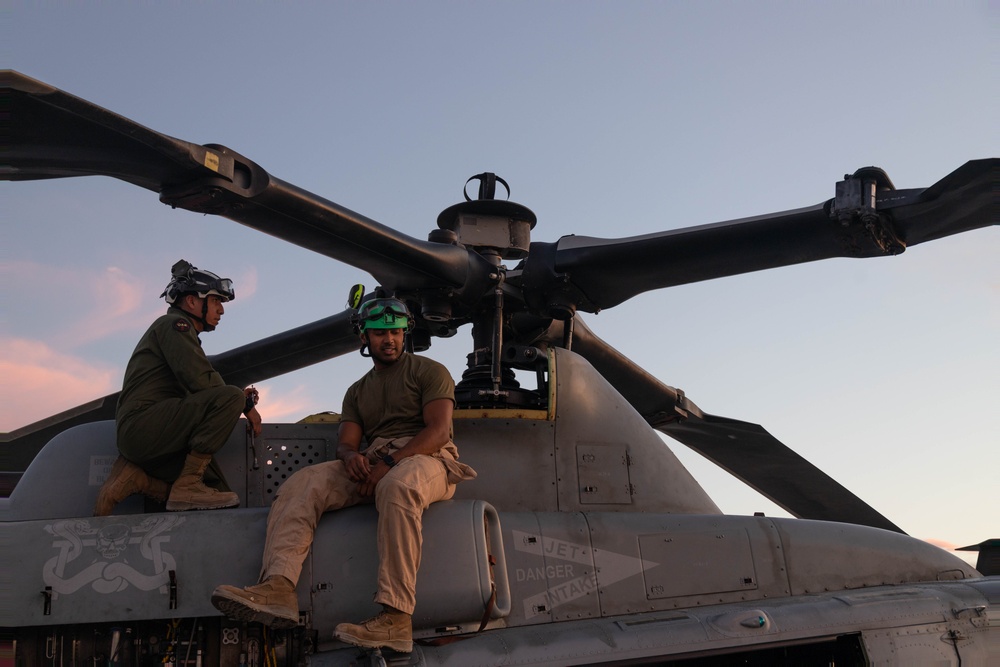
<point x="584" y="540"/>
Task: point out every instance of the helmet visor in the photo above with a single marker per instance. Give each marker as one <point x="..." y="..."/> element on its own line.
<point x="222" y="287"/>
<point x="384" y="314"/>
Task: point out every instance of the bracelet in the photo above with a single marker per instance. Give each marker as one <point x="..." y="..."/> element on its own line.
<point x="388" y="460"/>
<point x="250" y="404"/>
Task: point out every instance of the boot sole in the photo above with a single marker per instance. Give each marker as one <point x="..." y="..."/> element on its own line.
<point x="182" y="506"/>
<point x="398" y="645"/>
<point x="243" y="610"/>
<point x="108" y="511"/>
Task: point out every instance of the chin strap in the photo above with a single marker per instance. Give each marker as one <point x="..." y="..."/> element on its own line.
<point x="204" y="316"/>
<point x="205" y="326"/>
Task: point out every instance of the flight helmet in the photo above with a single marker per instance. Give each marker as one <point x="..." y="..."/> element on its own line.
<point x="383" y="313"/>
<point x="188" y="279"/>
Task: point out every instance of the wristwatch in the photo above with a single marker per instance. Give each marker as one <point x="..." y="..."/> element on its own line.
<point x="388" y="460"/>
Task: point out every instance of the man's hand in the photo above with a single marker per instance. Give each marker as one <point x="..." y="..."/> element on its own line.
<point x="251" y="391"/>
<point x="254" y="422"/>
<point x="356" y="464"/>
<point x="358" y="468"/>
<point x="375" y="475"/>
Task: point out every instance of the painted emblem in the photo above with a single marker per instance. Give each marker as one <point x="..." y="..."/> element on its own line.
<point x="111" y="558"/>
<point x="568" y="570"/>
<point x="182" y="325"/>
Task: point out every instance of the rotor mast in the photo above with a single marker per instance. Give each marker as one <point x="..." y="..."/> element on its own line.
<point x="497" y="230"/>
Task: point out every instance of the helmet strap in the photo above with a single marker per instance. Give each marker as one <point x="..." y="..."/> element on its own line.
<point x="205" y="326"/>
<point x="204" y="316"/>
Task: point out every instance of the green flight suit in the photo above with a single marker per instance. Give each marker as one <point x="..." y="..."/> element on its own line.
<point x="173" y="402"/>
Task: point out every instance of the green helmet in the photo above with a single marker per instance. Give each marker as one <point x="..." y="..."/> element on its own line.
<point x="384" y="314"/>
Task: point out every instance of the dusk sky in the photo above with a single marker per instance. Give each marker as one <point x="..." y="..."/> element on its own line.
<point x="607" y="119"/>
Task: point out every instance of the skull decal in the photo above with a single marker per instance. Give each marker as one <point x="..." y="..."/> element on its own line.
<point x="112" y="540"/>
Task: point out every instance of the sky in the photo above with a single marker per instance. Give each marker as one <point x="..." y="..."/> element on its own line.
<point x="607" y="119"/>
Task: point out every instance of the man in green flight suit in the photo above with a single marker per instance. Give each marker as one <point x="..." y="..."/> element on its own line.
<point x="175" y="411"/>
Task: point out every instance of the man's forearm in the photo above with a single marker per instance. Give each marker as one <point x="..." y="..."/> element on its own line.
<point x="344" y="450"/>
<point x="427" y="441"/>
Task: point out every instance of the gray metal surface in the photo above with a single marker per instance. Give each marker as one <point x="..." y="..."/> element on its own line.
<point x="133" y="566"/>
<point x="561" y="464"/>
<point x="900" y="626"/>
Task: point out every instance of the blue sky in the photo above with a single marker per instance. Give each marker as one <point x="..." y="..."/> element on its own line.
<point x="607" y="119"/>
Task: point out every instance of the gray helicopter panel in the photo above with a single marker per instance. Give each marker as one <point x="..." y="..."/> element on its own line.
<point x="944" y="623"/>
<point x="551" y="566"/>
<point x="512" y="455"/>
<point x="607" y="457"/>
<point x="462" y="578"/>
<point x="136" y="566"/>
<point x="590" y="452"/>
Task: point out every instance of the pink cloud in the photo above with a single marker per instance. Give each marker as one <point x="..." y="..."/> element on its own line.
<point x="947" y="546"/>
<point x="969" y="557"/>
<point x="39" y="382"/>
<point x="122" y="297"/>
<point x="126" y="307"/>
<point x="246" y="284"/>
<point x="287" y="407"/>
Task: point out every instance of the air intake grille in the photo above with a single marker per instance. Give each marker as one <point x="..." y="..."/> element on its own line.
<point x="282" y="450"/>
<point x="281" y="458"/>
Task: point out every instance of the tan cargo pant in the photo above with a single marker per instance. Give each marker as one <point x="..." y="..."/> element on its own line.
<point x="400" y="497"/>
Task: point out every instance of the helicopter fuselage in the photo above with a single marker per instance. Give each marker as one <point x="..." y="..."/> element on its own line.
<point x="581" y="520"/>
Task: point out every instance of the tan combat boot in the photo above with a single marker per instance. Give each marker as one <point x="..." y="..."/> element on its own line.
<point x="127" y="478"/>
<point x="273" y="603"/>
<point x="390" y="629"/>
<point x="190" y="493"/>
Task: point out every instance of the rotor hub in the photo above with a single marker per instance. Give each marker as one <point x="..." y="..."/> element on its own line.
<point x="488" y="225"/>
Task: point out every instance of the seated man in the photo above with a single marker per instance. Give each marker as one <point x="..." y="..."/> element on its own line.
<point x="175" y="411"/>
<point x="403" y="408"/>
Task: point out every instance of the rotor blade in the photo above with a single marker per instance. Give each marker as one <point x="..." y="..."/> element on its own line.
<point x="962" y="201"/>
<point x="745" y="450"/>
<point x="289" y="351"/>
<point x="53" y="134"/>
<point x="279" y="354"/>
<point x="751" y="454"/>
<point x="594" y="273"/>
